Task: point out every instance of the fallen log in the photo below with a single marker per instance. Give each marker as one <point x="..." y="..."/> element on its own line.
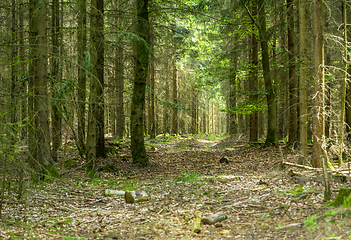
<point x="214" y="218"/>
<point x="114" y="192"/>
<point x="135" y="196"/>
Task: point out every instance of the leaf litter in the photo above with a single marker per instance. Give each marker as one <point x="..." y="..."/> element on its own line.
<point x="260" y="200"/>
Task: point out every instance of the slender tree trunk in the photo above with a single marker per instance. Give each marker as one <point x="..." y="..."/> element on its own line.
<point x="120" y="93"/>
<point x="343" y="89"/>
<point x="318" y="114"/>
<point x="328" y="85"/>
<point x="193" y="111"/>
<point x="32" y="156"/>
<point x="175" y="92"/>
<point x="293" y="91"/>
<point x="166" y="128"/>
<point x="152" y="90"/>
<point x="98" y="63"/>
<point x="55" y="111"/>
<point x="302" y="81"/>
<point x="138" y="99"/>
<point x="23" y="84"/>
<point x="253" y="80"/>
<point x="14" y="93"/>
<point x="348" y="90"/>
<point x="82" y="76"/>
<point x="269" y="85"/>
<point x="233" y="124"/>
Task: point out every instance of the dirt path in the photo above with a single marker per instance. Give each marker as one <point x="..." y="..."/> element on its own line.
<point x="184" y="177"/>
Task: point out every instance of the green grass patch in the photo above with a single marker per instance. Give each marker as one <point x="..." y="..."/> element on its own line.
<point x="187" y="177"/>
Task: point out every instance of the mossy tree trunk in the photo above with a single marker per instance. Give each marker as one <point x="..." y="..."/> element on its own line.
<point x="41" y="101"/>
<point x="141" y="73"/>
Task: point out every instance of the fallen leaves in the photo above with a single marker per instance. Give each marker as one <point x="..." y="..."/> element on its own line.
<point x="255" y="197"/>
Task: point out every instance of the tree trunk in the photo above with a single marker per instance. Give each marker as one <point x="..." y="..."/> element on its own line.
<point x="22" y="68"/>
<point x="141" y="72"/>
<point x="14" y="93"/>
<point x="120" y="92"/>
<point x="41" y="101"/>
<point x="318" y="113"/>
<point x="270" y="88"/>
<point x="253" y="80"/>
<point x="175" y="93"/>
<point x="32" y="156"/>
<point x="303" y="80"/>
<point x="97" y="36"/>
<point x="293" y="91"/>
<point x="343" y="89"/>
<point x="348" y="90"/>
<point x="93" y="150"/>
<point x="328" y="84"/>
<point x="82" y="65"/>
<point x="152" y="89"/>
<point x="55" y="110"/>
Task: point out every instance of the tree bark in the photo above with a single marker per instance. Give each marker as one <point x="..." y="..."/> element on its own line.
<point x="24" y="77"/>
<point x="175" y="92"/>
<point x="93" y="150"/>
<point x="343" y="88"/>
<point x="14" y="88"/>
<point x="303" y="80"/>
<point x="152" y="89"/>
<point x="56" y="118"/>
<point x="318" y="113"/>
<point x="82" y="68"/>
<point x="348" y="90"/>
<point x="293" y="91"/>
<point x="141" y="72"/>
<point x="97" y="36"/>
<point x="41" y="101"/>
<point x="253" y="80"/>
<point x="270" y="88"/>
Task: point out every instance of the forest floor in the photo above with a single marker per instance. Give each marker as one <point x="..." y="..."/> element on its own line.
<point x="260" y="199"/>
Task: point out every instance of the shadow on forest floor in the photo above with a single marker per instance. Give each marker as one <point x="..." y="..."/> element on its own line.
<point x="185" y="175"/>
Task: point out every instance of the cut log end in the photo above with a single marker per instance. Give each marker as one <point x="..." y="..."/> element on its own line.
<point x="197" y="222"/>
<point x="136" y="196"/>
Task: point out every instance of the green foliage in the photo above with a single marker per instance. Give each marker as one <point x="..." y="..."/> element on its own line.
<point x="187" y="177"/>
<point x="171" y="104"/>
<point x="311" y="223"/>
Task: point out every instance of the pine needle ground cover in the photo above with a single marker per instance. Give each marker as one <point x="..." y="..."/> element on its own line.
<point x="259" y="200"/>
